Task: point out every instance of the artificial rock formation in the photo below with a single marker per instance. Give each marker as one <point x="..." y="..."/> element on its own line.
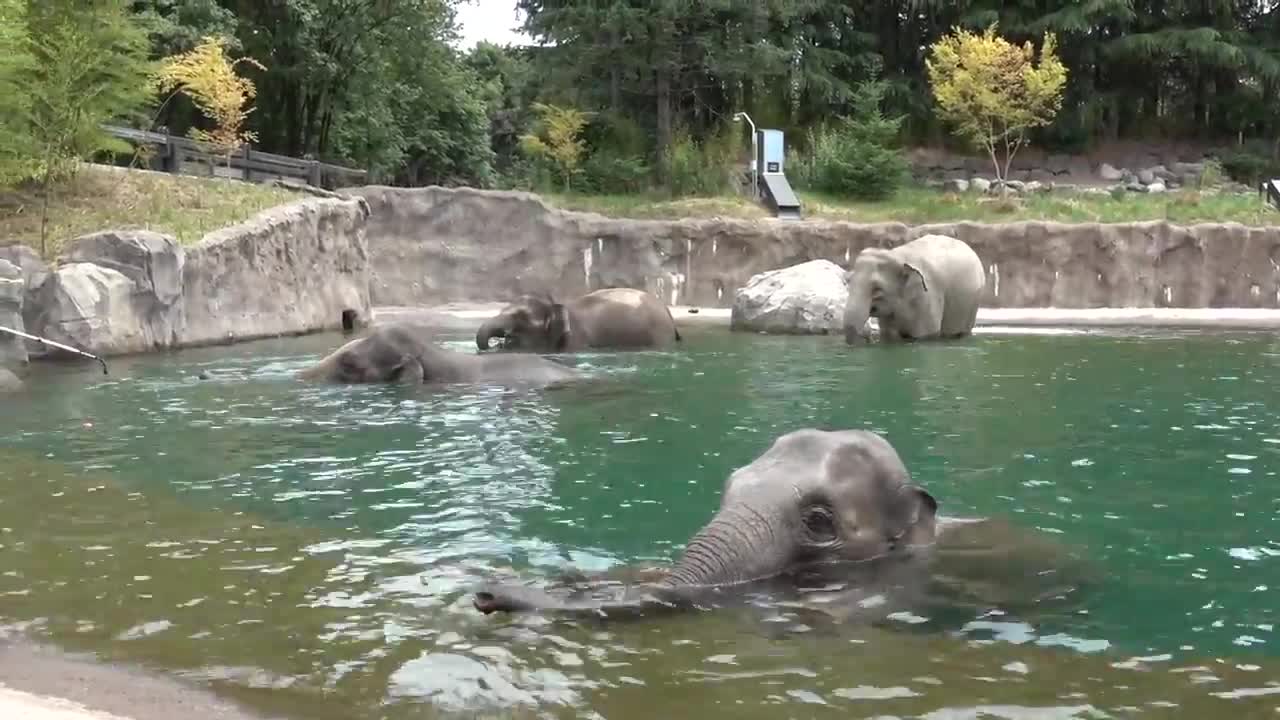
<point x="804" y="299"/>
<point x="434" y="245"/>
<point x="13" y="349"/>
<point x="293" y="269"/>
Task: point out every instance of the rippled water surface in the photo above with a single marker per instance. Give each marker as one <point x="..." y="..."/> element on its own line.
<point x="308" y="549"/>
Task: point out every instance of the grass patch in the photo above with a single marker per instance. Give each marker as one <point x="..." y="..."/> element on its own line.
<point x="916" y="206"/>
<point x="101" y="198"/>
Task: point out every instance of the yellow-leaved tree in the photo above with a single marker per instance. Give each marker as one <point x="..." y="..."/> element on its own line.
<point x="559" y="141"/>
<point x="208" y="76"/>
<point x="992" y="91"/>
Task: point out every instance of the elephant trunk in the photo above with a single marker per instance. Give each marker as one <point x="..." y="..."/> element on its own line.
<point x="856" y="312"/>
<point x="738" y="546"/>
<point x="493" y="327"/>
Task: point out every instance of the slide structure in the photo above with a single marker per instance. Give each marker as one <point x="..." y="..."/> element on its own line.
<point x="1271" y="189"/>
<point x="774" y="188"/>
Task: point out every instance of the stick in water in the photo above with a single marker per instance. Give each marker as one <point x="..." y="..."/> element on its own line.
<point x="58" y="345"/>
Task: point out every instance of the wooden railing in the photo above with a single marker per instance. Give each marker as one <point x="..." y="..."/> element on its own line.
<point x="180" y="155"/>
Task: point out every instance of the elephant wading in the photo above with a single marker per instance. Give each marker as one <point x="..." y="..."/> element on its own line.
<point x="816" y="507"/>
<point x="404" y="353"/>
<point x="615" y="318"/>
<point x="928" y="288"/>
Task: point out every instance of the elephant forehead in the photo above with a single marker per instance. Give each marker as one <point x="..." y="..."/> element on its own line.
<point x="851" y="459"/>
<point x="622" y="296"/>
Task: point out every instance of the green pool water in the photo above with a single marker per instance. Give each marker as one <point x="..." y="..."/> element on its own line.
<point x="308" y="549"/>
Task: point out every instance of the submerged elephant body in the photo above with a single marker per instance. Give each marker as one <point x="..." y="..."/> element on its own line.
<point x="817" y="508"/>
<point x="929" y="288"/>
<point x="614" y="318"/>
<point x="405" y="353"/>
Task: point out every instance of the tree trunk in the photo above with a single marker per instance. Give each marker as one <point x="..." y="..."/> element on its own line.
<point x="663" y="82"/>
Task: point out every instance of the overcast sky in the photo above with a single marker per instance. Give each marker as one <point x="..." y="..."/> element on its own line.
<point x="492" y="20"/>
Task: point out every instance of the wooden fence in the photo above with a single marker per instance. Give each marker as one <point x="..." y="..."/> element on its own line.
<point x="180" y="155"/>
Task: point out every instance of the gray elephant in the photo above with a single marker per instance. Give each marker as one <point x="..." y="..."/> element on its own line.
<point x="405" y="353"/>
<point x="817" y="506"/>
<point x="928" y="288"/>
<point x="614" y="318"/>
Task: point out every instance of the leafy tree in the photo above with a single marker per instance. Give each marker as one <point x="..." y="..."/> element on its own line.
<point x="209" y="78"/>
<point x="857" y="157"/>
<point x="88" y="66"/>
<point x="17" y="151"/>
<point x="560" y="141"/>
<point x="993" y="91"/>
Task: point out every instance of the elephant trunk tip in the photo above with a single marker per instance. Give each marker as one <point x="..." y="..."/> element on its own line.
<point x="486" y="602"/>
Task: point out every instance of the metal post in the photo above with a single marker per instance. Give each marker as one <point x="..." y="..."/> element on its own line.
<point x="755" y="154"/>
<point x="58" y="345"/>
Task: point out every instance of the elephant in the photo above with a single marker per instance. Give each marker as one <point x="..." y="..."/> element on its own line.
<point x="817" y="506"/>
<point x="928" y="288"/>
<point x="613" y="318"/>
<point x="404" y="353"/>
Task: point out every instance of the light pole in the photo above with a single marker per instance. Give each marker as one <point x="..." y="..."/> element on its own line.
<point x="755" y="179"/>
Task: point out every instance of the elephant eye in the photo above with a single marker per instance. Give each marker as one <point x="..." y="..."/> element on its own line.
<point x="819" y="523"/>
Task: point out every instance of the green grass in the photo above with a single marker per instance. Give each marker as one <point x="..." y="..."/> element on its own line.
<point x="920" y="205"/>
<point x="114" y="199"/>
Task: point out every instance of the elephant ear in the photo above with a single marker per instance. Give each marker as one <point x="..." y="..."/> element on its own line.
<point x="910" y="271"/>
<point x="558" y="326"/>
<point x="922" y="516"/>
<point x="407" y="371"/>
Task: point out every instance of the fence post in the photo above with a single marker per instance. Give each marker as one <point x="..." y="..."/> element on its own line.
<point x="313" y="173"/>
<point x="248" y="162"/>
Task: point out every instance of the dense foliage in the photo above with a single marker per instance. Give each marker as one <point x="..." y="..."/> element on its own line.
<point x="379" y="84"/>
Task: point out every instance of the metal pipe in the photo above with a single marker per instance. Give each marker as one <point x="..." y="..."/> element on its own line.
<point x="755" y="155"/>
<point x="58" y="345"/>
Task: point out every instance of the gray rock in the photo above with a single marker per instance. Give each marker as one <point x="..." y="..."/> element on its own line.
<point x="1187" y="168"/>
<point x="1035" y="186"/>
<point x="1135" y="186"/>
<point x="13" y="349"/>
<point x="1156" y="187"/>
<point x="100" y="310"/>
<point x="1016" y="185"/>
<point x="1040" y="175"/>
<point x="955" y="185"/>
<point x="34" y="270"/>
<point x="152" y="261"/>
<point x="291" y="269"/>
<point x="1058" y="164"/>
<point x="1161" y="172"/>
<point x="803" y="299"/>
<point x="1130" y="178"/>
<point x="1146" y="177"/>
<point x="9" y="382"/>
<point x="981" y="185"/>
<point x="1109" y="173"/>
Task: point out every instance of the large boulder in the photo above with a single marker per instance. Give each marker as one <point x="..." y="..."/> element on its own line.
<point x="13" y="348"/>
<point x="114" y="293"/>
<point x="803" y="299"/>
<point x="34" y="270"/>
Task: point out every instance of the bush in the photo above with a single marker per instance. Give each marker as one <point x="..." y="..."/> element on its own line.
<point x="856" y="157"/>
<point x="1251" y="163"/>
<point x="702" y="168"/>
<point x="608" y="172"/>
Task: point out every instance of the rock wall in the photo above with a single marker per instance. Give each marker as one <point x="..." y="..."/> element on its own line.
<point x="294" y="269"/>
<point x="13" y="349"/>
<point x="435" y="245"/>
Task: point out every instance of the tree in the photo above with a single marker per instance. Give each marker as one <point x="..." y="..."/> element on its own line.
<point x="993" y="91"/>
<point x="88" y="66"/>
<point x="17" y="151"/>
<point x="560" y="142"/>
<point x="208" y="77"/>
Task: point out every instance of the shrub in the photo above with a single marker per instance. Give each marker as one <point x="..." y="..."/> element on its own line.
<point x="856" y="157"/>
<point x="703" y="168"/>
<point x="1251" y="163"/>
<point x="608" y="172"/>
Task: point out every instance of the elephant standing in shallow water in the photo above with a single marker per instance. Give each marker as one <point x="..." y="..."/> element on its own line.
<point x="927" y="288"/>
<point x="404" y="353"/>
<point x="614" y="318"/>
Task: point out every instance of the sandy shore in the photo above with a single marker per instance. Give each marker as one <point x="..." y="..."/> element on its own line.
<point x="41" y="683"/>
<point x="465" y="316"/>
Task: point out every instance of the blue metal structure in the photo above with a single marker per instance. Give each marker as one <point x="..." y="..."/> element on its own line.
<point x="770" y="162"/>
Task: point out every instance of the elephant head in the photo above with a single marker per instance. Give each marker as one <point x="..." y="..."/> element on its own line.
<point x="532" y="322"/>
<point x="881" y="285"/>
<point x="815" y="504"/>
<point x="386" y="354"/>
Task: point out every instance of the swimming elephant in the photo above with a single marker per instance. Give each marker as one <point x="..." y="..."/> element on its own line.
<point x="927" y="288"/>
<point x="404" y="353"/>
<point x="615" y="318"/>
<point x="817" y="506"/>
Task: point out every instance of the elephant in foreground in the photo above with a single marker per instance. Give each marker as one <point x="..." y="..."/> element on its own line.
<point x="404" y="353"/>
<point x="614" y="318"/>
<point x="831" y="521"/>
<point x="817" y="507"/>
<point x="928" y="288"/>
